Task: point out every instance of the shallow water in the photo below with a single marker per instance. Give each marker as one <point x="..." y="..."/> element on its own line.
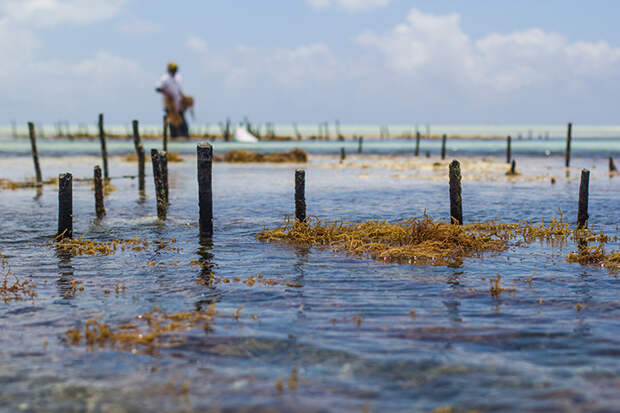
<point x="464" y="348"/>
<point x="580" y="147"/>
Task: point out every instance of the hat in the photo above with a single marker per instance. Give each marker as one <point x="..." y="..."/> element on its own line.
<point x="172" y="66"/>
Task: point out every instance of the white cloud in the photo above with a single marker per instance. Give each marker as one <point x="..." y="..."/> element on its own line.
<point x="57" y="88"/>
<point x="196" y="44"/>
<point x="46" y="13"/>
<point x="350" y="5"/>
<point x="138" y="27"/>
<point x="289" y="68"/>
<point x="427" y="47"/>
<point x="16" y="47"/>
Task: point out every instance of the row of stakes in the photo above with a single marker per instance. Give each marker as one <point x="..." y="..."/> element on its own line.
<point x="205" y="158"/>
<point x="140" y="151"/>
<point x="205" y="194"/>
<point x="360" y="140"/>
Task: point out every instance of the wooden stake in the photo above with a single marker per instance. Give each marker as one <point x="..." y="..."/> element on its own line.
<point x="65" y="206"/>
<point x="360" y="142"/>
<point x="513" y="167"/>
<point x="160" y="192"/>
<point x="141" y="158"/>
<point x="456" y="207"/>
<point x="582" y="214"/>
<point x="508" y="149"/>
<point x="104" y="150"/>
<point x="99" y="208"/>
<point x="296" y="129"/>
<point x="141" y="162"/>
<point x="165" y="135"/>
<point x="569" y="136"/>
<point x="136" y="135"/>
<point x="612" y="165"/>
<point x="443" y="146"/>
<point x="163" y="157"/>
<point x="205" y="195"/>
<point x="35" y="155"/>
<point x="300" y="195"/>
<point x="417" y="143"/>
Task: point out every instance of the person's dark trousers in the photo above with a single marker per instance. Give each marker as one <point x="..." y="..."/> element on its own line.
<point x="180" y="130"/>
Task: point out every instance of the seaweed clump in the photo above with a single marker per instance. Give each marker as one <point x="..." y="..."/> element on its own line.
<point x="242" y="156"/>
<point x="12" y="288"/>
<point x="150" y="331"/>
<point x="79" y="246"/>
<point x="423" y="241"/>
<point x="172" y="157"/>
<point x="29" y="183"/>
<point x="414" y="241"/>
<point x="595" y="255"/>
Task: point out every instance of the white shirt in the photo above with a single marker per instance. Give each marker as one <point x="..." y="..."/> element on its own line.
<point x="171" y="85"/>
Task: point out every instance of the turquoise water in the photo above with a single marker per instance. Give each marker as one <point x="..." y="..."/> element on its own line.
<point x="591" y="147"/>
<point x="464" y="348"/>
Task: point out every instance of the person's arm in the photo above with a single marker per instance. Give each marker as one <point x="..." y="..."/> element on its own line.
<point x="160" y="86"/>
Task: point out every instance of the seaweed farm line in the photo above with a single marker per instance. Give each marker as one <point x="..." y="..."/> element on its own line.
<point x="139" y="314"/>
<point x="331" y="129"/>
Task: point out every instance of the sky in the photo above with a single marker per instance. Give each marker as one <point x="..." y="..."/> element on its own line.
<point x="309" y="61"/>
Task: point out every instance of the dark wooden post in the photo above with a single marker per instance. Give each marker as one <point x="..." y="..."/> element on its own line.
<point x="508" y="149"/>
<point x="160" y="193"/>
<point x="296" y="129"/>
<point x="456" y="207"/>
<point x="360" y="142"/>
<point x="141" y="162"/>
<point x="300" y="195"/>
<point x="227" y="130"/>
<point x="163" y="158"/>
<point x="99" y="208"/>
<point x="205" y="194"/>
<point x="612" y="165"/>
<point x="569" y="136"/>
<point x="136" y="134"/>
<point x="65" y="206"/>
<point x="140" y="152"/>
<point x="165" y="135"/>
<point x="582" y="214"/>
<point x="343" y="155"/>
<point x="513" y="167"/>
<point x="35" y="154"/>
<point x="417" y="143"/>
<point x="104" y="150"/>
<point x="443" y="146"/>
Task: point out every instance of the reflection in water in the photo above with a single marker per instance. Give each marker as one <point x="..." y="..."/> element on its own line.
<point x="206" y="264"/>
<point x="453" y="311"/>
<point x="141" y="197"/>
<point x="302" y="258"/>
<point x="65" y="270"/>
<point x="206" y="257"/>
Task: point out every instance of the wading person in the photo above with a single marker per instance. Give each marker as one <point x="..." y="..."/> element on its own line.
<point x="175" y="103"/>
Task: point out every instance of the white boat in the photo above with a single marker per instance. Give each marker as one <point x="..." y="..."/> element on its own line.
<point x="242" y="135"/>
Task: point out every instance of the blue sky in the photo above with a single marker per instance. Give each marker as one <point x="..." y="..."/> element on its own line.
<point x="360" y="61"/>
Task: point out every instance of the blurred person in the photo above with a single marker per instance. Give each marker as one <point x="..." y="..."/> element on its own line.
<point x="175" y="102"/>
